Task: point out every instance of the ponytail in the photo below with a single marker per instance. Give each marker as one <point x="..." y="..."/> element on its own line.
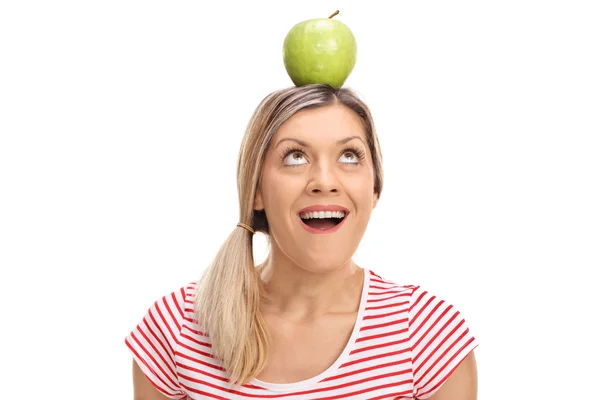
<point x="227" y="307"/>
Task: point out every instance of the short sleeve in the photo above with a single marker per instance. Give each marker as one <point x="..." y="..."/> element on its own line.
<point x="153" y="343"/>
<point x="440" y="339"/>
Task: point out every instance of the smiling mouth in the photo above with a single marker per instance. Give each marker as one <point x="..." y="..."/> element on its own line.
<point x="324" y="224"/>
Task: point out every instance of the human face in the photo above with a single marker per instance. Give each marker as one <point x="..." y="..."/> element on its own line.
<point x="318" y="157"/>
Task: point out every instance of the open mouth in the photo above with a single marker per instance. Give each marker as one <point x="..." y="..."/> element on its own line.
<point x="323" y="221"/>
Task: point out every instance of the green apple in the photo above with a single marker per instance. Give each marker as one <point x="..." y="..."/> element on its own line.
<point x="321" y="50"/>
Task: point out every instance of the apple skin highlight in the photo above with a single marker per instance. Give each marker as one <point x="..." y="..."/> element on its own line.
<point x="321" y="50"/>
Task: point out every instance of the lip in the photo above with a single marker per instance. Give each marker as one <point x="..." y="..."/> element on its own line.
<point x="323" y="208"/>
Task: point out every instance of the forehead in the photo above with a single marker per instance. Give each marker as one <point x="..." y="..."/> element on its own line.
<point x="322" y="126"/>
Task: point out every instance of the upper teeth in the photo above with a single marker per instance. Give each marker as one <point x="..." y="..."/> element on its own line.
<point x="323" y="214"/>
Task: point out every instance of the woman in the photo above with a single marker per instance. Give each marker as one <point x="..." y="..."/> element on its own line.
<point x="308" y="323"/>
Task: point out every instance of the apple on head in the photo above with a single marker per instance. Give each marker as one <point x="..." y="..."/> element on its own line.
<point x="320" y="50"/>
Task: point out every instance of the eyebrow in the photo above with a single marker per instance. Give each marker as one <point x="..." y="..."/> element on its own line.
<point x="303" y="143"/>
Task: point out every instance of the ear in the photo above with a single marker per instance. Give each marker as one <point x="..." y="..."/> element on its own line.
<point x="258" y="201"/>
<point x="375" y="200"/>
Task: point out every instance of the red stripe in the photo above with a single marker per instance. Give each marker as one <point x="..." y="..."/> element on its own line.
<point x="370" y="389"/>
<point x="379" y="346"/>
<point x="388" y="298"/>
<point x="389" y="291"/>
<point x="196" y="341"/>
<point x="414" y="304"/>
<point x="383" y="325"/>
<point x="201" y="371"/>
<point x="193" y="349"/>
<point x="375" y="357"/>
<point x="399" y="396"/>
<point x="387" y="306"/>
<point x="368" y="369"/>
<point x="381" y="335"/>
<point x="176" y="302"/>
<point x="198" y="381"/>
<point x="175" y="321"/>
<point x="203" y="393"/>
<point x="198" y="361"/>
<point x="197" y="332"/>
<point x="397" y="312"/>
<point x="379" y="287"/>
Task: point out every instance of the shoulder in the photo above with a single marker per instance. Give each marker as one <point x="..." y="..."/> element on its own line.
<point x="439" y="337"/>
<point x="175" y="308"/>
<point x="419" y="299"/>
<point x="166" y="315"/>
<point x="382" y="288"/>
<point x="155" y="341"/>
<point x="378" y="282"/>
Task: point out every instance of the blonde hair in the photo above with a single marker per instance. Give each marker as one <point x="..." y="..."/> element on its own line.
<point x="227" y="301"/>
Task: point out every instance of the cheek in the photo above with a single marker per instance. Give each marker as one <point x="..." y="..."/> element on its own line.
<point x="361" y="187"/>
<point x="279" y="192"/>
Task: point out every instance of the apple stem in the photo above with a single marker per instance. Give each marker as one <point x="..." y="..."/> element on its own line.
<point x="334" y="14"/>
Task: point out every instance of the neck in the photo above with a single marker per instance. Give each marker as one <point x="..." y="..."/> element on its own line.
<point x="298" y="294"/>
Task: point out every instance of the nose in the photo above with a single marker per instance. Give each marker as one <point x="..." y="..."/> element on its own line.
<point x="323" y="179"/>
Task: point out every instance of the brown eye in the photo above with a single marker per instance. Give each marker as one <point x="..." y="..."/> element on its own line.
<point x="295" y="158"/>
<point x="347" y="154"/>
<point x="348" y="157"/>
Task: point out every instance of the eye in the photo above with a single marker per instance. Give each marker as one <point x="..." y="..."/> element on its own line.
<point x="349" y="157"/>
<point x="294" y="157"/>
<point x="352" y="155"/>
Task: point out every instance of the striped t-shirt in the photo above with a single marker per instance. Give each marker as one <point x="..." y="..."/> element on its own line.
<point x="405" y="344"/>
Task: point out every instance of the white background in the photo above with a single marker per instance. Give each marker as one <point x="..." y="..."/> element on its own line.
<point x="120" y="125"/>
